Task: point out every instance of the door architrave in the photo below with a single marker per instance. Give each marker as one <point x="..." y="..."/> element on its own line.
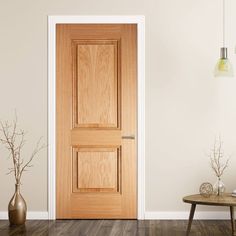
<point x="52" y="21"/>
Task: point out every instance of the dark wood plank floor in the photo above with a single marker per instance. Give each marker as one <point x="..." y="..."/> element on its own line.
<point x="115" y="228"/>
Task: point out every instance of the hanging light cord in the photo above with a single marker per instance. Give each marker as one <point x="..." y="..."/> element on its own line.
<point x="223" y="23"/>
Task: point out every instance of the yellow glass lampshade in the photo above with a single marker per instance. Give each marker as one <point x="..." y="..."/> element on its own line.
<point x="223" y="67"/>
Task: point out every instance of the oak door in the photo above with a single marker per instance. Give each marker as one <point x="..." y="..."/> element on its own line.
<point x="96" y="71"/>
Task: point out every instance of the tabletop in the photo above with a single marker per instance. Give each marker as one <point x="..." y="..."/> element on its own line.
<point x="223" y="200"/>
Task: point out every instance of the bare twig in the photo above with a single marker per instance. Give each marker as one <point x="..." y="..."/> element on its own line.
<point x="216" y="156"/>
<point x="37" y="149"/>
<point x="13" y="140"/>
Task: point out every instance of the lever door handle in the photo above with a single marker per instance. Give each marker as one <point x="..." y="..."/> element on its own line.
<point x="128" y="137"/>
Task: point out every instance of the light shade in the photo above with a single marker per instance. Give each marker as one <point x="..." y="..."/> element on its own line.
<point x="223" y="67"/>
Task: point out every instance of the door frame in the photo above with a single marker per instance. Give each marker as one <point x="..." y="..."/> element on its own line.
<point x="68" y="19"/>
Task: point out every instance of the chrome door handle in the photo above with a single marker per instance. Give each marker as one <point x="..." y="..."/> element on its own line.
<point x="128" y="137"/>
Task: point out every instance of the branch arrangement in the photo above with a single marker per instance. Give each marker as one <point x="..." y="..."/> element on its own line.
<point x="216" y="156"/>
<point x="13" y="139"/>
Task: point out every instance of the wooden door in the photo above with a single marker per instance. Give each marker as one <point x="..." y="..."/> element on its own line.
<point x="96" y="120"/>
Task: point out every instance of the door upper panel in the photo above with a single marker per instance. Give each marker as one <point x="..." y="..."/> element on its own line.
<point x="96" y="83"/>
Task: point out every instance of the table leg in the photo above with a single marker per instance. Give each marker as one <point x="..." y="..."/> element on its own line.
<point x="193" y="207"/>
<point x="232" y="219"/>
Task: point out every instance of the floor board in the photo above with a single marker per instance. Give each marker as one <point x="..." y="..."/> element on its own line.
<point x="116" y="228"/>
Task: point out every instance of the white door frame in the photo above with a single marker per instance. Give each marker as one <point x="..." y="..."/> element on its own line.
<point x="52" y="21"/>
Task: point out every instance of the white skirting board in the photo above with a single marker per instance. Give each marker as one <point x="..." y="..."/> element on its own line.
<point x="31" y="215"/>
<point x="184" y="215"/>
<point x="149" y="215"/>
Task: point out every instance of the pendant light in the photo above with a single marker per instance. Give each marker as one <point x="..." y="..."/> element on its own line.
<point x="223" y="67"/>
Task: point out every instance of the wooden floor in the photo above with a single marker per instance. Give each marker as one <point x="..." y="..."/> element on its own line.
<point x="115" y="228"/>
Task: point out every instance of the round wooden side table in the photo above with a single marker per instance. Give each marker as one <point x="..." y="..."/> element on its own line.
<point x="222" y="200"/>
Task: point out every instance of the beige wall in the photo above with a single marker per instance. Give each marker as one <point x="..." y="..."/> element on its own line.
<point x="186" y="107"/>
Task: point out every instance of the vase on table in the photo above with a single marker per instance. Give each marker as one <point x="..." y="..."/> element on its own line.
<point x="17" y="208"/>
<point x="219" y="187"/>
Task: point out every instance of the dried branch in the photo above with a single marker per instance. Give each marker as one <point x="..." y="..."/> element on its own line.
<point x="13" y="139"/>
<point x="37" y="149"/>
<point x="216" y="156"/>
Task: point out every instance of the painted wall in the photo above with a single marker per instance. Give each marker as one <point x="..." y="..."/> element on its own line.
<point x="186" y="107"/>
